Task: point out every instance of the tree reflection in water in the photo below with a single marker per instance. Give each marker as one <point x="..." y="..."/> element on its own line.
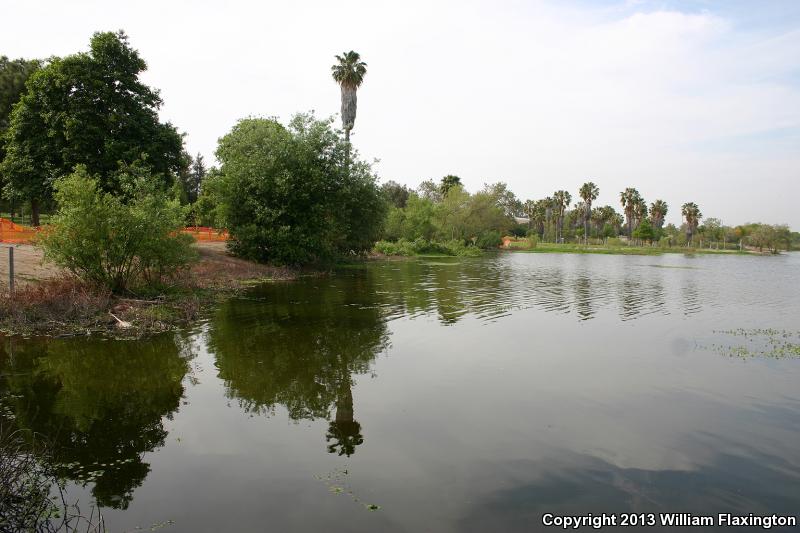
<point x="299" y="345"/>
<point x="99" y="404"/>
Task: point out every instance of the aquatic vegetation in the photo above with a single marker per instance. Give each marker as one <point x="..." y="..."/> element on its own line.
<point x="773" y="343"/>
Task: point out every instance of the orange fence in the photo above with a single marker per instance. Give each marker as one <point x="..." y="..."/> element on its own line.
<point x="15" y="233"/>
<point x="204" y="233"/>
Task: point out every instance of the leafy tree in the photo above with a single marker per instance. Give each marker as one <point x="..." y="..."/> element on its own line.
<point x="290" y="197"/>
<point x="349" y="72"/>
<point x="87" y="109"/>
<point x="13" y="75"/>
<point x="692" y="214"/>
<point x="430" y="190"/>
<point x="115" y="240"/>
<point x="395" y="194"/>
<point x="506" y="199"/>
<point x="644" y="231"/>
<point x="588" y="192"/>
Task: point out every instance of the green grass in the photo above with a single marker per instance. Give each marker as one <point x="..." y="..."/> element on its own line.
<point x="547" y="247"/>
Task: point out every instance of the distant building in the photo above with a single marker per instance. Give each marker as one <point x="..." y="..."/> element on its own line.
<point x="522" y="220"/>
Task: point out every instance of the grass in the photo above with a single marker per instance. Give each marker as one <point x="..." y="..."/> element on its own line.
<point x="570" y="248"/>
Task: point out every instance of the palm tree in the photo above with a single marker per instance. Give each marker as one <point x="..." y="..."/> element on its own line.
<point x="639" y="211"/>
<point x="588" y="192"/>
<point x="658" y="211"/>
<point x="349" y="74"/>
<point x="561" y="200"/>
<point x="629" y="198"/>
<point x="692" y="214"/>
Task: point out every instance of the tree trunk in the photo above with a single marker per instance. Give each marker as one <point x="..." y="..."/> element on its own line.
<point x="34" y="212"/>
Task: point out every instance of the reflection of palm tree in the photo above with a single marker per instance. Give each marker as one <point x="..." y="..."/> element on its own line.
<point x="300" y="348"/>
<point x="344" y="430"/>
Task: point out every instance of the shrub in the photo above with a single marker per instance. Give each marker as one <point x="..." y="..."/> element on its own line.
<point x="533" y="240"/>
<point x="296" y="194"/>
<point x="117" y="241"/>
<point x="614" y="241"/>
<point x="489" y="239"/>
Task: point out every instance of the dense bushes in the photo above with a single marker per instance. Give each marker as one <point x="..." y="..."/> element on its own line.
<point x="421" y="246"/>
<point x="117" y="241"/>
<point x="455" y="216"/>
<point x="294" y="194"/>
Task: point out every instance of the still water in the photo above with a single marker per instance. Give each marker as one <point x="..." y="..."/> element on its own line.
<point x="439" y="395"/>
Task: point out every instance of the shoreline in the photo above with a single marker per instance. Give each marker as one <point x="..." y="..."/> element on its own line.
<point x="48" y="302"/>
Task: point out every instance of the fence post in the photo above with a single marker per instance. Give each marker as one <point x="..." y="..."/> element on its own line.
<point x="11" y="270"/>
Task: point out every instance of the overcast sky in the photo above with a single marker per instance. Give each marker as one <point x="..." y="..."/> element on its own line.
<point x="687" y="101"/>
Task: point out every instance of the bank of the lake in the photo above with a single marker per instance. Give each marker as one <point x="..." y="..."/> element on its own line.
<point x="50" y="302"/>
<point x="572" y="248"/>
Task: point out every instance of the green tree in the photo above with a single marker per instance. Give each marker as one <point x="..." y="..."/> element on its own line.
<point x="644" y="231"/>
<point x="87" y="109"/>
<point x="505" y="198"/>
<point x="588" y="192"/>
<point x="692" y="214"/>
<point x="349" y="72"/>
<point x="13" y="75"/>
<point x="395" y="194"/>
<point x="291" y="197"/>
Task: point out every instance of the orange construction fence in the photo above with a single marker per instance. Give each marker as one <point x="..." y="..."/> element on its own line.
<point x="205" y="233"/>
<point x="17" y="234"/>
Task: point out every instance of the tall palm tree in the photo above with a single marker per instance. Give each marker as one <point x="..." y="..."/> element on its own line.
<point x="658" y="211"/>
<point x="639" y="211"/>
<point x="629" y="198"/>
<point x="349" y="73"/>
<point x="561" y="200"/>
<point x="588" y="192"/>
<point x="692" y="214"/>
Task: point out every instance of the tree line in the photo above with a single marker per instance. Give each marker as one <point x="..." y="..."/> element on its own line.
<point x="291" y="193"/>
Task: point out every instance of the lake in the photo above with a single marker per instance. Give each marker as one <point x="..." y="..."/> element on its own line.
<point x="438" y="394"/>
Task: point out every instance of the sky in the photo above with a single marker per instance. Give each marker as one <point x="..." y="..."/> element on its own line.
<point x="684" y="100"/>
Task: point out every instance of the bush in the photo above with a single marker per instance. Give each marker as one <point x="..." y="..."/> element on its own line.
<point x="489" y="239"/>
<point x="117" y="241"/>
<point x="519" y="230"/>
<point x="295" y="194"/>
<point x="614" y="241"/>
<point x="533" y="241"/>
<point x="404" y="247"/>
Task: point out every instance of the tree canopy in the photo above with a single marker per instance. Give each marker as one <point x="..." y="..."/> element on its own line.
<point x="289" y="195"/>
<point x="87" y="109"/>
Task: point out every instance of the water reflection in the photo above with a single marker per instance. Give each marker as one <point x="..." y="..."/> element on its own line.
<point x="301" y="347"/>
<point x="100" y="404"/>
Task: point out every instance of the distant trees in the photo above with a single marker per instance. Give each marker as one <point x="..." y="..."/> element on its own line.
<point x="290" y="195"/>
<point x="349" y="72"/>
<point x="87" y="109"/>
<point x="395" y="194"/>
